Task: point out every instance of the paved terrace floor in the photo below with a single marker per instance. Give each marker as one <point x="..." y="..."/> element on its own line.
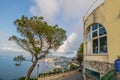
<point x="73" y="75"/>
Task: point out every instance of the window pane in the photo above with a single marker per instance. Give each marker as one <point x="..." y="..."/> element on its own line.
<point x="88" y="43"/>
<point x="102" y="31"/>
<point x="100" y="25"/>
<point x="95" y="46"/>
<point x="88" y="37"/>
<point x="103" y="45"/>
<point x="95" y="34"/>
<point x="94" y="27"/>
<point x="88" y="31"/>
<point x="88" y="48"/>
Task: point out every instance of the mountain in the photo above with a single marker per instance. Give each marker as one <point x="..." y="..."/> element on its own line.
<point x="58" y="61"/>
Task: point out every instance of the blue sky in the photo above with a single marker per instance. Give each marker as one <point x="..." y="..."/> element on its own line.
<point x="10" y="10"/>
<point x="68" y="14"/>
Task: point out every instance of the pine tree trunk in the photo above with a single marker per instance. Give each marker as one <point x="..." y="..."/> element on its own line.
<point x="30" y="70"/>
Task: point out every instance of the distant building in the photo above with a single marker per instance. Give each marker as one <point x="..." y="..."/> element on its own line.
<point x="102" y="38"/>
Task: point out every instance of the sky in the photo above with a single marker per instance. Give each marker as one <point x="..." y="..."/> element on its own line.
<point x="67" y="14"/>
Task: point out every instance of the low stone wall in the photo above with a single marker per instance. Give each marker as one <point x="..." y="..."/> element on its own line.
<point x="101" y="67"/>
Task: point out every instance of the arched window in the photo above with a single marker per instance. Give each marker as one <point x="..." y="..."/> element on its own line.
<point x="96" y="39"/>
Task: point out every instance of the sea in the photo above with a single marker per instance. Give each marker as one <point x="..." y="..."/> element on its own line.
<point x="8" y="70"/>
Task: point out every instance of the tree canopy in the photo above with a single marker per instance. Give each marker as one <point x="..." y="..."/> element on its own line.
<point x="37" y="38"/>
<point x="80" y="53"/>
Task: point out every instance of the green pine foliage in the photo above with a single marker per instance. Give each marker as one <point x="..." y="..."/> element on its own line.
<point x="80" y="54"/>
<point x="37" y="38"/>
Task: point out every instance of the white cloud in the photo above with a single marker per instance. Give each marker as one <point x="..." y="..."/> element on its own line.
<point x="73" y="9"/>
<point x="67" y="44"/>
<point x="71" y="44"/>
<point x="69" y="14"/>
<point x="5" y="44"/>
<point x="68" y="9"/>
<point x="46" y="8"/>
<point x="11" y="46"/>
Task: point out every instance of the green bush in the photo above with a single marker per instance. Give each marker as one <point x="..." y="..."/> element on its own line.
<point x="54" y="71"/>
<point x="23" y="78"/>
<point x="73" y="67"/>
<point x="65" y="70"/>
<point x="109" y="76"/>
<point x="57" y="70"/>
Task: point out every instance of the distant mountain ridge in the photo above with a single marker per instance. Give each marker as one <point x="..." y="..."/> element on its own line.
<point x="58" y="61"/>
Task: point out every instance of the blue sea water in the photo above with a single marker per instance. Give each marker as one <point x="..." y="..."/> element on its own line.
<point x="8" y="70"/>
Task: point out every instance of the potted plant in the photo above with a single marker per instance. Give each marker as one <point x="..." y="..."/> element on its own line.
<point x="117" y="64"/>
